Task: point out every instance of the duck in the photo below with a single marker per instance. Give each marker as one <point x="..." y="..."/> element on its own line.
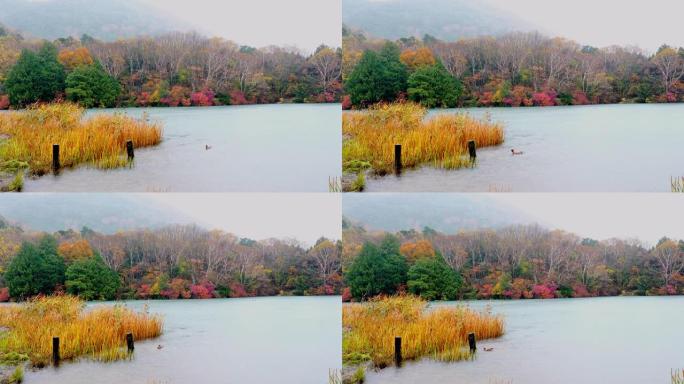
<point x="207" y="147"/>
<point x="514" y="152"/>
<point x="160" y="346"/>
<point x="488" y="349"/>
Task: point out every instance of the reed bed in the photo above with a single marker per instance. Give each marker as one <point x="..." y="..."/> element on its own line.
<point x="439" y="333"/>
<point x="677" y="184"/>
<point x="99" y="140"/>
<point x="440" y="141"/>
<point x="97" y="333"/>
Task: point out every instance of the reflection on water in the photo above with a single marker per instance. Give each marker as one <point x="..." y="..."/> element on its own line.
<point x="602" y="340"/>
<point x="603" y="148"/>
<point x="261" y="340"/>
<point x="262" y="148"/>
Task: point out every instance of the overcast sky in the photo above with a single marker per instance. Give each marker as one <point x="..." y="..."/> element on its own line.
<point x="303" y="216"/>
<point x="646" y="24"/>
<point x="301" y="23"/>
<point x="645" y="216"/>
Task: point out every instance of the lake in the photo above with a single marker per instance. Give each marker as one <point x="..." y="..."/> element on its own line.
<point x="255" y="148"/>
<point x="255" y="340"/>
<point x="600" y="148"/>
<point x="612" y="340"/>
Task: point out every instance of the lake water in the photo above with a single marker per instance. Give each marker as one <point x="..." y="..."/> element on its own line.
<point x="256" y="148"/>
<point x="602" y="148"/>
<point x="600" y="340"/>
<point x="258" y="340"/>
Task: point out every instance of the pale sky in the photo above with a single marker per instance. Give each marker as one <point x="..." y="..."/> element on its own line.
<point x="646" y="24"/>
<point x="302" y="216"/>
<point x="644" y="216"/>
<point x="304" y="24"/>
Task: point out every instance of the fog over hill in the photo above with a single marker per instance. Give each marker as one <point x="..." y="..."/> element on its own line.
<point x="444" y="19"/>
<point x="102" y="19"/>
<point x="448" y="213"/>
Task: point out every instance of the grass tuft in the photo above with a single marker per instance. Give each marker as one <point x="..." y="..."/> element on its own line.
<point x="438" y="333"/>
<point x="677" y="184"/>
<point x="440" y="141"/>
<point x="97" y="333"/>
<point x="99" y="140"/>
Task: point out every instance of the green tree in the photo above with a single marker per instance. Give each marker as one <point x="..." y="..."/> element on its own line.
<point x="91" y="86"/>
<point x="36" y="269"/>
<point x="433" y="279"/>
<point x="433" y="86"/>
<point x="377" y="77"/>
<point x="377" y="270"/>
<point x="92" y="279"/>
<point x="35" y="77"/>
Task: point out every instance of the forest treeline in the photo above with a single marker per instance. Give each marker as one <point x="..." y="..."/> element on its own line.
<point x="515" y="262"/>
<point x="173" y="262"/>
<point x="515" y="69"/>
<point x="175" y="69"/>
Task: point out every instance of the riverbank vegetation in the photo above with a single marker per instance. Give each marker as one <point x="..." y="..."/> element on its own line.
<point x="677" y="184"/>
<point x="98" y="333"/>
<point x="514" y="70"/>
<point x="99" y="140"/>
<point x="175" y="69"/>
<point x="516" y="262"/>
<point x="439" y="333"/>
<point x="439" y="141"/>
<point x="174" y="262"/>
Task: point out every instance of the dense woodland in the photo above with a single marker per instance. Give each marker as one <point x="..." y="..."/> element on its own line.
<point x="174" y="69"/>
<point x="514" y="69"/>
<point x="173" y="262"/>
<point x="515" y="262"/>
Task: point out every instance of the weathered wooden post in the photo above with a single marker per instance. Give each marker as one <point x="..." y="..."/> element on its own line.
<point x="471" y="342"/>
<point x="472" y="149"/>
<point x="397" y="157"/>
<point x="55" y="350"/>
<point x="55" y="157"/>
<point x="129" y="149"/>
<point x="129" y="342"/>
<point x="397" y="351"/>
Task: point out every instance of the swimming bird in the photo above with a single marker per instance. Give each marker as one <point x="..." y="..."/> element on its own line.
<point x="160" y="346"/>
<point x="488" y="349"/>
<point x="207" y="147"/>
<point x="514" y="152"/>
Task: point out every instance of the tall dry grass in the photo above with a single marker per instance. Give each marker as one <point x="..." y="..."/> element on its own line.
<point x="440" y="141"/>
<point x="99" y="140"/>
<point x="677" y="184"/>
<point x="98" y="333"/>
<point x="440" y="333"/>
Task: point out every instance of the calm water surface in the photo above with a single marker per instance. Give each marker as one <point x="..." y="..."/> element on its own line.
<point x="261" y="340"/>
<point x="604" y="148"/>
<point x="601" y="340"/>
<point x="262" y="148"/>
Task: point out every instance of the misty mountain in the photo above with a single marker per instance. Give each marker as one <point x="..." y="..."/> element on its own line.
<point x="443" y="19"/>
<point x="448" y="213"/>
<point x="102" y="19"/>
<point x="106" y="213"/>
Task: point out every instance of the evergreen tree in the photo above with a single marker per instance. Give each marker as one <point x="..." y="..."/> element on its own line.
<point x="377" y="77"/>
<point x="377" y="270"/>
<point x="35" y="77"/>
<point x="433" y="86"/>
<point x="92" y="279"/>
<point x="35" y="269"/>
<point x="91" y="86"/>
<point x="433" y="279"/>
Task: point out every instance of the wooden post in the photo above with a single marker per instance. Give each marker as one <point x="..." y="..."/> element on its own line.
<point x="55" y="157"/>
<point x="129" y="342"/>
<point x="397" y="157"/>
<point x="55" y="350"/>
<point x="471" y="149"/>
<point x="471" y="342"/>
<point x="129" y="149"/>
<point x="397" y="351"/>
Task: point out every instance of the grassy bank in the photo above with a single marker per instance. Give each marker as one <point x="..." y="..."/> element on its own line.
<point x="100" y="140"/>
<point x="439" y="333"/>
<point x="97" y="333"/>
<point x="440" y="141"/>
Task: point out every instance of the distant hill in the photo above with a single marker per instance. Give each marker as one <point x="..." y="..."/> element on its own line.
<point x="448" y="213"/>
<point x="102" y="19"/>
<point x="107" y="213"/>
<point x="443" y="19"/>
